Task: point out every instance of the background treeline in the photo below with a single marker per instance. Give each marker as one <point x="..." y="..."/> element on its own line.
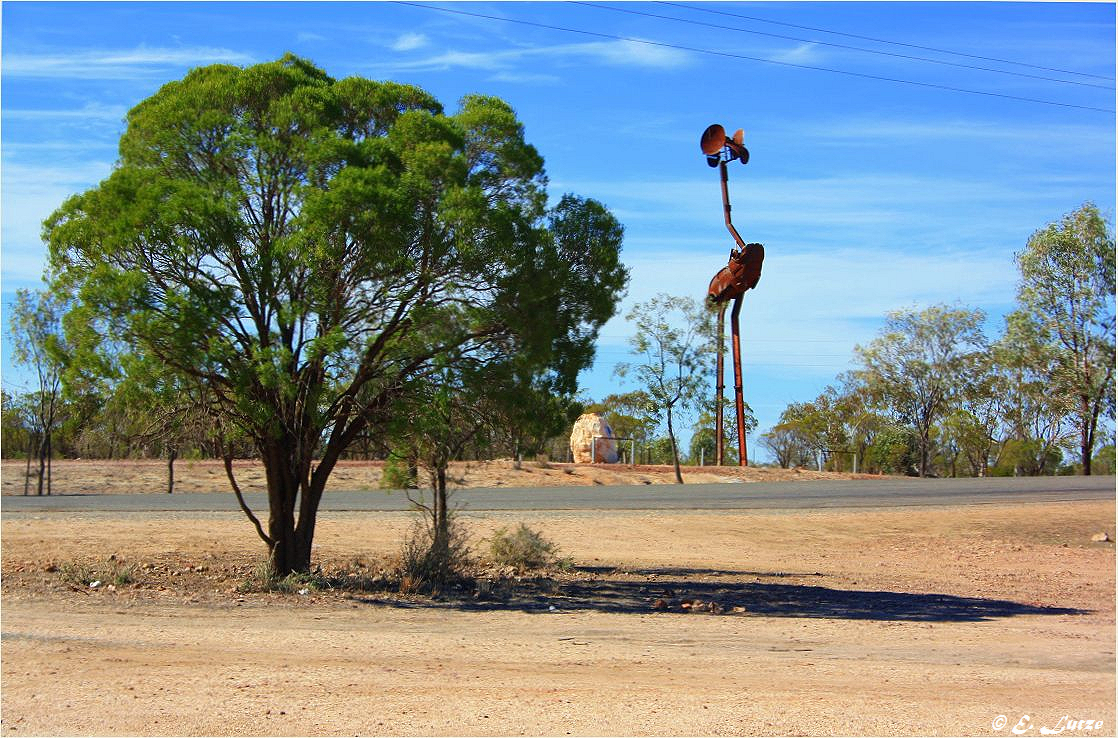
<point x="931" y="395"/>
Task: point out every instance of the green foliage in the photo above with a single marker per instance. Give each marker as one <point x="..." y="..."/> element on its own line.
<point x="629" y="414"/>
<point x="1028" y="457"/>
<point x="1066" y="294"/>
<point x="895" y="450"/>
<point x="522" y="548"/>
<point x="308" y="250"/>
<point x="920" y="364"/>
<point x="1104" y="463"/>
<point x="675" y="340"/>
<point x="399" y="473"/>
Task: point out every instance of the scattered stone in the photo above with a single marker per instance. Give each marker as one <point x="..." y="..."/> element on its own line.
<point x="1100" y="538"/>
<point x="660" y="604"/>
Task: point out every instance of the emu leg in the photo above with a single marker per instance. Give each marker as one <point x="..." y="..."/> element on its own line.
<point x="739" y="401"/>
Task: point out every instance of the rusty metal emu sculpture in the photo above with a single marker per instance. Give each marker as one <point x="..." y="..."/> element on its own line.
<point x="731" y="282"/>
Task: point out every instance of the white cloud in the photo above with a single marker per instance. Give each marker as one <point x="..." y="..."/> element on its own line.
<point x="805" y="53"/>
<point x="614" y="53"/>
<point x="90" y="111"/>
<point x="111" y="64"/>
<point x="409" y="42"/>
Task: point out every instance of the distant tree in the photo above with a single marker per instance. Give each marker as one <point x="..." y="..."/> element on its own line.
<point x="703" y="435"/>
<point x="784" y="444"/>
<point x="895" y="450"/>
<point x="1034" y="412"/>
<point x="38" y="343"/>
<point x="919" y="364"/>
<point x="16" y="428"/>
<point x="1067" y="288"/>
<point x="307" y="248"/>
<point x="674" y="339"/>
<point x="629" y="414"/>
<point x="1104" y="460"/>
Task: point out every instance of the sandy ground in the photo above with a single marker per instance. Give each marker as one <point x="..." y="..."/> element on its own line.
<point x="930" y="621"/>
<point x="150" y="476"/>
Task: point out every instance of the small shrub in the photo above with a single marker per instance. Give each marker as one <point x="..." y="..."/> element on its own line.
<point x="523" y="548"/>
<point x="424" y="567"/>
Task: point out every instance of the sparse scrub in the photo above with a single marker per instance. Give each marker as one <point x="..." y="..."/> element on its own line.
<point x="264" y="579"/>
<point x="427" y="563"/>
<point x="113" y="572"/>
<point x="522" y="548"/>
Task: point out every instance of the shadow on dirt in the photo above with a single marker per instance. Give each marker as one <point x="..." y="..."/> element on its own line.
<point x="680" y="596"/>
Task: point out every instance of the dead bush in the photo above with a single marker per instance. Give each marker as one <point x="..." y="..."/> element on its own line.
<point x="522" y="549"/>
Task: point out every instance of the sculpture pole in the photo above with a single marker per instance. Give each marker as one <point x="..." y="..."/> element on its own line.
<point x="741" y="274"/>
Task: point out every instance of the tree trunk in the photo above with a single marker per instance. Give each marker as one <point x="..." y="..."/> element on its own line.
<point x="30" y="453"/>
<point x="42" y="464"/>
<point x="290" y="551"/>
<point x="1087" y="436"/>
<point x="441" y="544"/>
<point x="171" y="454"/>
<point x="675" y="451"/>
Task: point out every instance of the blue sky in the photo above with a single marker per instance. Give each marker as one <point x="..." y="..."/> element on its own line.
<point x="870" y="195"/>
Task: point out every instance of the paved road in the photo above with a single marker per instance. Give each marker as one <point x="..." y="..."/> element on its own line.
<point x="813" y="495"/>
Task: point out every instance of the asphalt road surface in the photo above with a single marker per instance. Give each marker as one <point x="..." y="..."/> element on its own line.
<point x="810" y="495"/>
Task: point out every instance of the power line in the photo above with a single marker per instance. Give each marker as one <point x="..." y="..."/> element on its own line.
<point x="885" y="41"/>
<point x="840" y="46"/>
<point x="730" y="55"/>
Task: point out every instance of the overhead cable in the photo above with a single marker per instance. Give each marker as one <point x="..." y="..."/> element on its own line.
<point x="840" y="46"/>
<point x="689" y="6"/>
<point x="730" y="55"/>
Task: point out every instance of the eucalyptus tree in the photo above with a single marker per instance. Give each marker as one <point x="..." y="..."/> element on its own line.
<point x="307" y="248"/>
<point x="674" y="339"/>
<point x="919" y="364"/>
<point x="1067" y="289"/>
<point x="38" y="343"/>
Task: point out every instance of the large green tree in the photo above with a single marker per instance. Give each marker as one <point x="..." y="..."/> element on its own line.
<point x="1067" y="288"/>
<point x="920" y="364"/>
<point x="307" y="248"/>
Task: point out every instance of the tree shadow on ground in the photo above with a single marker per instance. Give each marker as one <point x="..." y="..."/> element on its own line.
<point x="544" y="595"/>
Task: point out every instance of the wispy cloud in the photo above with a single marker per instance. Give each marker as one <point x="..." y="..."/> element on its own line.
<point x="117" y="64"/>
<point x="805" y="53"/>
<point x="409" y="42"/>
<point x="611" y="53"/>
<point x="30" y="194"/>
<point x="90" y="111"/>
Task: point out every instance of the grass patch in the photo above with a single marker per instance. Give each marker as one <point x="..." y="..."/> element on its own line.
<point x="113" y="572"/>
